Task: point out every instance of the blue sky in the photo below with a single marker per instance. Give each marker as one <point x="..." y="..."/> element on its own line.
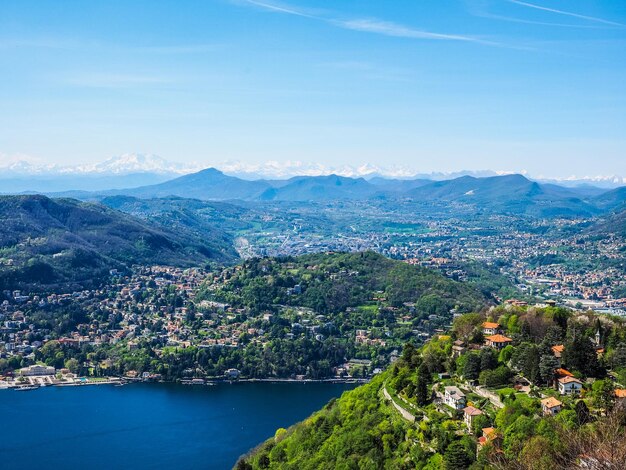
<point x="435" y="85"/>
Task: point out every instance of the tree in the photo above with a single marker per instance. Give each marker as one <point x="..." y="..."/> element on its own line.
<point x="471" y="371"/>
<point x="547" y="365"/>
<point x="479" y="423"/>
<point x="505" y="354"/>
<point x="488" y="359"/>
<point x="465" y="325"/>
<point x="619" y="356"/>
<point x="72" y="364"/>
<point x="603" y="392"/>
<point x="496" y="377"/>
<point x="456" y="457"/>
<point x="525" y="358"/>
<point x="583" y="416"/>
<point x="421" y="390"/>
<point x="580" y="355"/>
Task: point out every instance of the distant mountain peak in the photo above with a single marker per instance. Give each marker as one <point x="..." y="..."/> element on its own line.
<point x="136" y="163"/>
<point x="126" y="164"/>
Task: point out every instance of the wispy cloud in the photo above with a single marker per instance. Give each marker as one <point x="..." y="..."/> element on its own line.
<point x="483" y="13"/>
<point x="72" y="44"/>
<point x="176" y="48"/>
<point x="566" y="13"/>
<point x="388" y="28"/>
<point x="37" y="43"/>
<point x="282" y="9"/>
<point x="369" y="25"/>
<point x="115" y="80"/>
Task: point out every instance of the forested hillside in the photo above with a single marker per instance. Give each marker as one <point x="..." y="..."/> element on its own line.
<point x="65" y="244"/>
<point x="332" y="283"/>
<point x="544" y="392"/>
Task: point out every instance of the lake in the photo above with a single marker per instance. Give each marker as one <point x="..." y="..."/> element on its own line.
<point x="149" y="426"/>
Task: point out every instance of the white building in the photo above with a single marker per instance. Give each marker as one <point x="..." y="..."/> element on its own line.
<point x="454" y="398"/>
<point x="37" y="370"/>
<point x="570" y="386"/>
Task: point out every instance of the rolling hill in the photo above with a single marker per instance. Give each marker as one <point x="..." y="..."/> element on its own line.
<point x="210" y="220"/>
<point x="209" y="184"/>
<point x="507" y="194"/>
<point x="320" y="188"/>
<point x="611" y="200"/>
<point x="65" y="243"/>
<point x="612" y="224"/>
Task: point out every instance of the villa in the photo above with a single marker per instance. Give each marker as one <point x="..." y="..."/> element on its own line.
<point x="569" y="385"/>
<point x="454" y="398"/>
<point x="550" y="406"/>
<point x="497" y="341"/>
<point x="469" y="413"/>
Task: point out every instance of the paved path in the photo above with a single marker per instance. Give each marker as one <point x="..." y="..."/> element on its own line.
<point x="405" y="414"/>
<point x="492" y="397"/>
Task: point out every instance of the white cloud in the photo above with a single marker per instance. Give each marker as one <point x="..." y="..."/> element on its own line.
<point x="388" y="28"/>
<point x="565" y="13"/>
<point x="115" y="80"/>
<point x="368" y="25"/>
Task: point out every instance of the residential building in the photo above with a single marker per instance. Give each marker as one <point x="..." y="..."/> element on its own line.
<point x="490" y="328"/>
<point x="550" y="406"/>
<point x="37" y="370"/>
<point x="569" y="385"/>
<point x="454" y="398"/>
<point x="469" y="414"/>
<point x="497" y="341"/>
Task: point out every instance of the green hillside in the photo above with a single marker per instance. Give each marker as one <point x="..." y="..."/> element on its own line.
<point x="64" y="243"/>
<point x="403" y="419"/>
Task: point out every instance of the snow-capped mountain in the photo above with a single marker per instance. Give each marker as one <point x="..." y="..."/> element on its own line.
<point x="612" y="181"/>
<point x="137" y="163"/>
<point x="20" y="166"/>
<point x="281" y="170"/>
<point x="126" y="164"/>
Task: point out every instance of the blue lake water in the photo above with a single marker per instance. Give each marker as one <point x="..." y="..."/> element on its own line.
<point x="149" y="426"/>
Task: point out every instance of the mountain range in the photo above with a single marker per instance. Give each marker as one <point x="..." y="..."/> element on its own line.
<point x="506" y="194"/>
<point x="20" y="173"/>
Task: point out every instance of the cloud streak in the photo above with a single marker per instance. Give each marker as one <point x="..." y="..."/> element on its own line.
<point x="115" y="80"/>
<point x="282" y="9"/>
<point x="566" y="13"/>
<point x="388" y="28"/>
<point x="371" y="25"/>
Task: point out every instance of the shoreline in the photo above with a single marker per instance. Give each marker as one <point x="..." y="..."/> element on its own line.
<point x="121" y="381"/>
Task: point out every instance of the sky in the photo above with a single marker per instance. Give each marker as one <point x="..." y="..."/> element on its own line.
<point x="434" y="85"/>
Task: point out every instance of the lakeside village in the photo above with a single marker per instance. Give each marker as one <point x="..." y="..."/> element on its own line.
<point x="156" y="306"/>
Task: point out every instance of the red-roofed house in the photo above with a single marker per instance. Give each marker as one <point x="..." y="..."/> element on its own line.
<point x="490" y="328"/>
<point x="558" y="350"/>
<point x="469" y="413"/>
<point x="489" y="435"/>
<point x="497" y="341"/>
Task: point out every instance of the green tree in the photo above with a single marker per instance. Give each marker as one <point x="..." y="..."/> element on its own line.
<point x="603" y="392"/>
<point x="471" y="371"/>
<point x="580" y="355"/>
<point x="421" y="386"/>
<point x="456" y="457"/>
<point x="72" y="364"/>
<point x="547" y="365"/>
